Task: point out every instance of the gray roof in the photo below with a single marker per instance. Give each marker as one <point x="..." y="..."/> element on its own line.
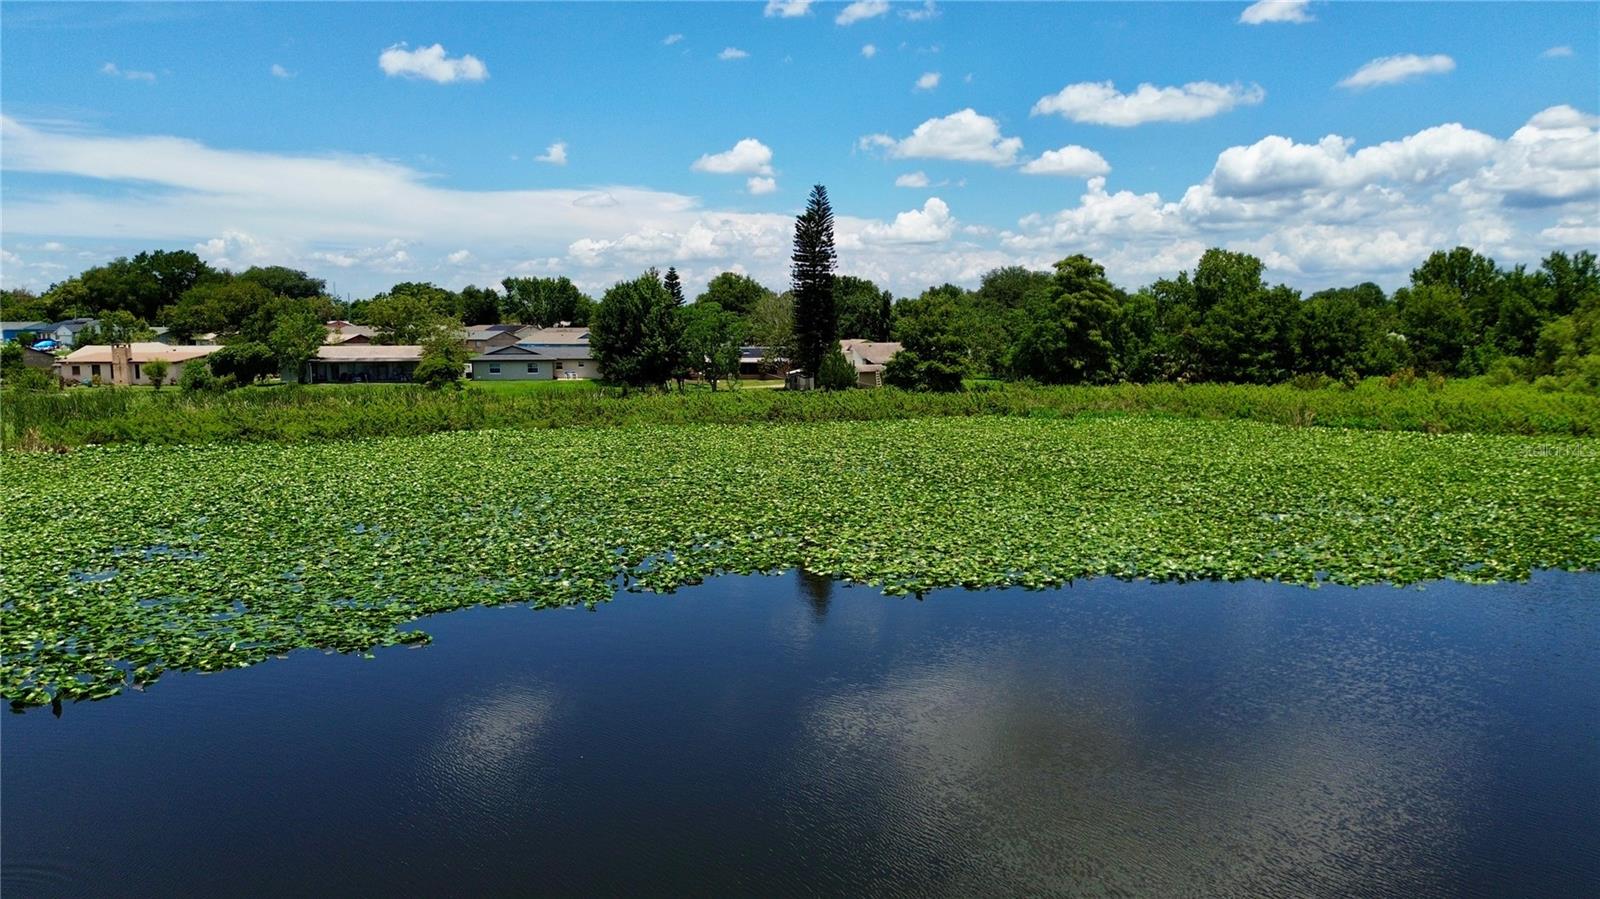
<point x="24" y="326"/>
<point x="566" y="351"/>
<point x="513" y="353"/>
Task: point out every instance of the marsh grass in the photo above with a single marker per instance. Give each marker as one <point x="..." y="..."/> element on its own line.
<point x="289" y="414"/>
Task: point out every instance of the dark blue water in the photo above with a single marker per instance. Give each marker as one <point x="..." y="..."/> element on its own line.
<point x="770" y="736"/>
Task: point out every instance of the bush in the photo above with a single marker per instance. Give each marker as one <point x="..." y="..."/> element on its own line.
<point x="197" y="378"/>
<point x="156" y="371"/>
<point x="436" y="371"/>
<point x="836" y="372"/>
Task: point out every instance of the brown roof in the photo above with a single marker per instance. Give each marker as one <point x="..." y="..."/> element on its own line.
<point x="140" y="351"/>
<point x="341" y="331"/>
<point x="367" y="353"/>
<point x="863" y="353"/>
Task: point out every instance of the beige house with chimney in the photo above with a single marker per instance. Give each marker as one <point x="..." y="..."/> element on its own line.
<point x="124" y="364"/>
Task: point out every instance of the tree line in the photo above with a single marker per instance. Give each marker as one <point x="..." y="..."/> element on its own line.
<point x="1460" y="314"/>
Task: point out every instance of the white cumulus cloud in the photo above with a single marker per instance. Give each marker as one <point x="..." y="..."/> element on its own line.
<point x="671" y="39"/>
<point x="964" y="136"/>
<point x="928" y="10"/>
<point x="112" y="69"/>
<point x="555" y="154"/>
<point x="747" y="157"/>
<point x="869" y="50"/>
<point x="928" y="81"/>
<point x="431" y="63"/>
<point x="861" y="10"/>
<point x="1394" y="69"/>
<point x="758" y="185"/>
<point x="279" y="71"/>
<point x="1100" y="103"/>
<point x="786" y="9"/>
<point x="732" y="53"/>
<point x="1072" y="160"/>
<point x="912" y="179"/>
<point x="459" y="257"/>
<point x="1263" y="11"/>
<point x="930" y="224"/>
<point x="1559" y="52"/>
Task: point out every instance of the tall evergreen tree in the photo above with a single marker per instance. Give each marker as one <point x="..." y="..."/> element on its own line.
<point x="674" y="286"/>
<point x="816" y="319"/>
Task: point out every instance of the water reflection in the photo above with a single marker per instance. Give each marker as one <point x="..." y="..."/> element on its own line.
<point x="1106" y="739"/>
<point x="817" y="591"/>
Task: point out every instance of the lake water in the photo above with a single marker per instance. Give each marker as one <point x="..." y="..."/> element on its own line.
<point x="785" y="735"/>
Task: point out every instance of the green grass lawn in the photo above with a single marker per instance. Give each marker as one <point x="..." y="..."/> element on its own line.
<point x="209" y="557"/>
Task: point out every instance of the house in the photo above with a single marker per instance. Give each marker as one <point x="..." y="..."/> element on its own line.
<point x="535" y="336"/>
<point x="513" y="363"/>
<point x="566" y="348"/>
<point x="66" y="332"/>
<point x="342" y="332"/>
<point x="869" y="358"/>
<point x="483" y="338"/>
<point x="753" y="362"/>
<point x="10" y="331"/>
<point x="346" y="363"/>
<point x="38" y="359"/>
<point x="522" y="362"/>
<point x="124" y="364"/>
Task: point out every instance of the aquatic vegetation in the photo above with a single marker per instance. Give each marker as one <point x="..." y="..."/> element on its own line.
<point x="147" y="559"/>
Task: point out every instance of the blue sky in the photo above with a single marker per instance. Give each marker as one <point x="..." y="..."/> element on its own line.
<point x="374" y="143"/>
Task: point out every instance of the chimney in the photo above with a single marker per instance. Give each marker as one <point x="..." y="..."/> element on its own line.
<point x="121" y="364"/>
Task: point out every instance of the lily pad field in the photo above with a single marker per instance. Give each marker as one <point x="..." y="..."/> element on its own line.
<point x="214" y="557"/>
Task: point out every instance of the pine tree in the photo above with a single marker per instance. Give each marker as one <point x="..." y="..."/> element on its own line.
<point x="816" y="319"/>
<point x="674" y="286"/>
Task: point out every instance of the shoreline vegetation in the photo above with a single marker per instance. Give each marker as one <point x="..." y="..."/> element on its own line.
<point x="58" y="421"/>
<point x="213" y="557"/>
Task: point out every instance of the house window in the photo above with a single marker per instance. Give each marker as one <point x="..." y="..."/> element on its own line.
<point x="136" y="371"/>
<point x="494" y="368"/>
<point x="533" y="368"/>
<point x="558" y="363"/>
<point x="94" y="371"/>
<point x="77" y="370"/>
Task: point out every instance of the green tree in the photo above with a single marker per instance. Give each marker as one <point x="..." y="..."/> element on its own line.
<point x="296" y="336"/>
<point x="1345" y="331"/>
<point x="662" y="356"/>
<point x="545" y="302"/>
<point x="284" y="282"/>
<point x="115" y="328"/>
<point x="711" y="340"/>
<point x="816" y="319"/>
<point x="245" y="362"/>
<point x="734" y="292"/>
<point x="156" y="371"/>
<point x="216" y="306"/>
<point x="479" y="306"/>
<point x="836" y="372"/>
<point x="1436" y="325"/>
<point x="770" y="325"/>
<point x="931" y="355"/>
<point x="1246" y="332"/>
<point x="631" y="334"/>
<point x="864" y="310"/>
<point x="1068" y="334"/>
<point x="444" y="355"/>
<point x="144" y="284"/>
<point x="197" y="378"/>
<point x="402" y="317"/>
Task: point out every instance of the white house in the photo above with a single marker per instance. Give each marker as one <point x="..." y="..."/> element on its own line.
<point x="521" y="362"/>
<point x="124" y="364"/>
